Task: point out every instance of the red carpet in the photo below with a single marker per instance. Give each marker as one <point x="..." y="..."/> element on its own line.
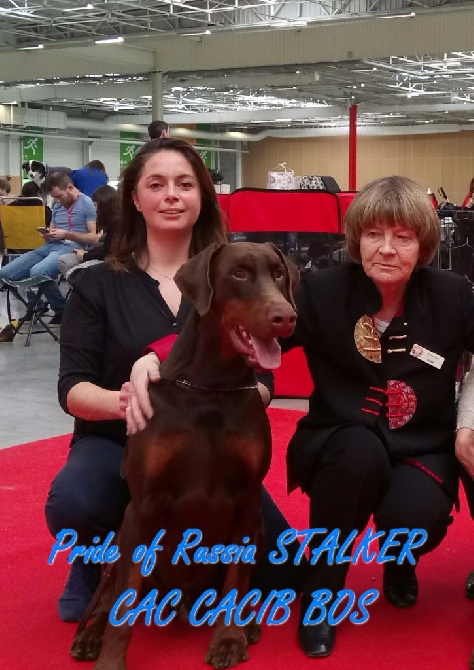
<point x="437" y="633"/>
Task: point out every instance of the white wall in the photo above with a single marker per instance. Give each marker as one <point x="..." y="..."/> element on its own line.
<point x="74" y="153"/>
<point x="9" y="155"/>
<point x="61" y="152"/>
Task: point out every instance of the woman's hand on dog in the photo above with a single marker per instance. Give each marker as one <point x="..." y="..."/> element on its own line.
<point x="140" y="410"/>
<point x="464" y="448"/>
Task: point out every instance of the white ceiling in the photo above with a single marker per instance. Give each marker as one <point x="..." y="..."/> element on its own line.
<point x="432" y="90"/>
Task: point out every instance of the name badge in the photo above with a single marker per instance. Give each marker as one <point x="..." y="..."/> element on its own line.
<point x="427" y="356"/>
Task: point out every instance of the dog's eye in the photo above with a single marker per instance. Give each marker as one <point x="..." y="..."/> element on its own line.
<point x="240" y="274"/>
<point x="278" y="274"/>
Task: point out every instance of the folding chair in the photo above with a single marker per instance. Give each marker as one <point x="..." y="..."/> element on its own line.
<point x="19" y="224"/>
<point x="36" y="286"/>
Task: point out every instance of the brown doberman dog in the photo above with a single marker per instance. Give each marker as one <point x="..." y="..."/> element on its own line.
<point x="200" y="462"/>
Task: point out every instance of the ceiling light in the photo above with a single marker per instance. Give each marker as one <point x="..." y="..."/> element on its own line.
<point x="79" y="9"/>
<point x="38" y="46"/>
<point x="110" y="40"/>
<point x="205" y="32"/>
<point x="411" y="15"/>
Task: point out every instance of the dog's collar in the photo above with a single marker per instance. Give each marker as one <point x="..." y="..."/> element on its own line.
<point x="186" y="384"/>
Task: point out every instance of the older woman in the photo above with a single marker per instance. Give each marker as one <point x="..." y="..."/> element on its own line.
<point x="382" y="337"/>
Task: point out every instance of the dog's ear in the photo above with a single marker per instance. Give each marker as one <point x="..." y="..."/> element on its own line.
<point x="194" y="279"/>
<point x="292" y="274"/>
<point x="26" y="166"/>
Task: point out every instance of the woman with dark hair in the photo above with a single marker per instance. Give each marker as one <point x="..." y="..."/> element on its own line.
<point x="169" y="212"/>
<point x="107" y="203"/>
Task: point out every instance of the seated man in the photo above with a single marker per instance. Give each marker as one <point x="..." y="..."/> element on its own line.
<point x="73" y="226"/>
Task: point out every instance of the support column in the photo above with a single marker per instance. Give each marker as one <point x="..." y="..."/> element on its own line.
<point x="156" y="96"/>
<point x="86" y="150"/>
<point x="353" y="148"/>
<point x="238" y="166"/>
<point x="8" y="159"/>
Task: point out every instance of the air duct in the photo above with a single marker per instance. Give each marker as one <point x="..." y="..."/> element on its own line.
<point x="36" y="118"/>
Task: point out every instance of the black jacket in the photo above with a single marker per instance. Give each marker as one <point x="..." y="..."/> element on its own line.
<point x="350" y="389"/>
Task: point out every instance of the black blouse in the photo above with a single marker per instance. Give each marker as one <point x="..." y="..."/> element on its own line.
<point x="110" y="317"/>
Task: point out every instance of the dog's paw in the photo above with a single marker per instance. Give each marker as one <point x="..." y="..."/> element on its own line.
<point x="227" y="649"/>
<point x="86" y="646"/>
<point x="253" y="631"/>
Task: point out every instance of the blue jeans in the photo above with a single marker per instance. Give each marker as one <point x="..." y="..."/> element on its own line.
<point x="90" y="495"/>
<point x="40" y="261"/>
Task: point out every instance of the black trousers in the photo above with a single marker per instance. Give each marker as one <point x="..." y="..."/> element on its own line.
<point x="355" y="478"/>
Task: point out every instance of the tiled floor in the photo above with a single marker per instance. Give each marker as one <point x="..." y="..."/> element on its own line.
<point x="29" y="409"/>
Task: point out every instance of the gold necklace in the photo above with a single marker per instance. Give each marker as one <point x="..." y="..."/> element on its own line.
<point x="159" y="272"/>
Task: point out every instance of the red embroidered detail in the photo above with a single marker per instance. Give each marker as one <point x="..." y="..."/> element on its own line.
<point x="375" y="388"/>
<point x="370" y="411"/>
<point x="401" y="403"/>
<point x="377" y="402"/>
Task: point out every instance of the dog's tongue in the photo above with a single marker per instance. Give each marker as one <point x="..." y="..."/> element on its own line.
<point x="267" y="352"/>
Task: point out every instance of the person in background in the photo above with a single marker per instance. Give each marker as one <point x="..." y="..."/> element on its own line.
<point x="5" y="187"/>
<point x="29" y="197"/>
<point x="465" y="453"/>
<point x="468" y="201"/>
<point x="107" y="203"/>
<point x="31" y="191"/>
<point x="169" y="212"/>
<point x="158" y="129"/>
<point x="72" y="226"/>
<point x="88" y="178"/>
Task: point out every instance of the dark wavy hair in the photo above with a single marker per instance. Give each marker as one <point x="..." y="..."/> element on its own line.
<point x="130" y="238"/>
<point x="107" y="201"/>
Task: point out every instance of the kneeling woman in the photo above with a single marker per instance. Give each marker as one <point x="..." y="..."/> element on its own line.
<point x="169" y="212"/>
<point x="382" y="336"/>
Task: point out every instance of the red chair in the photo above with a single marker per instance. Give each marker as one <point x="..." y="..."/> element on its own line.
<point x="345" y="199"/>
<point x="252" y="209"/>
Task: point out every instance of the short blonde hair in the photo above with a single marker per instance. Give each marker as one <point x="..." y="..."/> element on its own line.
<point x="396" y="201"/>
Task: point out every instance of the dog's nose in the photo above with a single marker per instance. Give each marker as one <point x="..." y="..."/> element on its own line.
<point x="284" y="324"/>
